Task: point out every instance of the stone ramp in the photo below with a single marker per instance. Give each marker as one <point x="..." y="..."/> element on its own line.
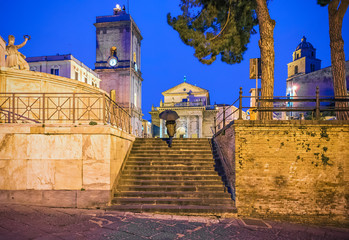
<point x="177" y="180"/>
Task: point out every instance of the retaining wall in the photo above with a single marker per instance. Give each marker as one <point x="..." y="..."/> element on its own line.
<point x="60" y="165"/>
<point x="290" y="170"/>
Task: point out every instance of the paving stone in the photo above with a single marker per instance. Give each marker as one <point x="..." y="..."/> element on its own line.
<point x="17" y="223"/>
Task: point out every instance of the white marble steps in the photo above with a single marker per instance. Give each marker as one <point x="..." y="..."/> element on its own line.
<point x="177" y="180"/>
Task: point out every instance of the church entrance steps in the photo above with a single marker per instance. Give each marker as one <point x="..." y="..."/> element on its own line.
<point x="177" y="180"/>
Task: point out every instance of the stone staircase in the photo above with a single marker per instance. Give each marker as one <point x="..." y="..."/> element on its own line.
<point x="177" y="180"/>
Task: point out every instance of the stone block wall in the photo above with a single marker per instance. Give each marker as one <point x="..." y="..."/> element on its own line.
<point x="290" y="170"/>
<point x="62" y="166"/>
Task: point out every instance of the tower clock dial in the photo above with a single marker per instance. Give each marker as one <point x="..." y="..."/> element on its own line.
<point x="113" y="62"/>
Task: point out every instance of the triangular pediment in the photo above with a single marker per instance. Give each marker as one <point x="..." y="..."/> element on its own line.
<point x="185" y="88"/>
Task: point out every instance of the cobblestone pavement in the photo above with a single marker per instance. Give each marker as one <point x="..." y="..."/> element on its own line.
<point x="29" y="222"/>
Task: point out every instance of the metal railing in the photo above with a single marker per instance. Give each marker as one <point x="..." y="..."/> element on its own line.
<point x="183" y="104"/>
<point x="310" y="104"/>
<point x="62" y="108"/>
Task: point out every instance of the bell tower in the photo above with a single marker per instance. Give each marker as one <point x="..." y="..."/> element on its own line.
<point x="304" y="60"/>
<point x="118" y="62"/>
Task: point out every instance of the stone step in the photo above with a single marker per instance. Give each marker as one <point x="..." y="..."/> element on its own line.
<point x="177" y="180"/>
<point x="170" y="182"/>
<point x="177" y="194"/>
<point x="169" y="158"/>
<point x="169" y="173"/>
<point x="187" y="155"/>
<point x="171" y="163"/>
<point x="175" y="147"/>
<point x="176" y="144"/>
<point x="171" y="177"/>
<point x="175" y="209"/>
<point x="172" y="151"/>
<point x="170" y="188"/>
<point x="166" y="168"/>
<point x="174" y="201"/>
<point x="173" y="139"/>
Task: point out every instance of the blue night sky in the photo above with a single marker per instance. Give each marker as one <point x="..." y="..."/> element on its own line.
<point x="66" y="26"/>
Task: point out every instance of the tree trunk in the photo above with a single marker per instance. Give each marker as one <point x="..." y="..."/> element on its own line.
<point x="266" y="45"/>
<point x="335" y="15"/>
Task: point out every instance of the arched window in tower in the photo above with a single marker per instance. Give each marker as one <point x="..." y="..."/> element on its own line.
<point x="135" y="93"/>
<point x="312" y="67"/>
<point x="295" y="69"/>
<point x="312" y="54"/>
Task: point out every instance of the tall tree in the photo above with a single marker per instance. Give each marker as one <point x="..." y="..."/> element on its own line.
<point x="336" y="12"/>
<point x="266" y="45"/>
<point x="224" y="27"/>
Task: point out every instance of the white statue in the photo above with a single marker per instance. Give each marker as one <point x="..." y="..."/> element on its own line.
<point x="15" y="59"/>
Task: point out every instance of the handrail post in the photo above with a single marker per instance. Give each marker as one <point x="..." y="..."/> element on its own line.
<point x="215" y="124"/>
<point x="240" y="104"/>
<point x="73" y="107"/>
<point x="43" y="108"/>
<point x="13" y="107"/>
<point x="317" y="111"/>
<point x="129" y="123"/>
<point x="104" y="106"/>
<point x="223" y="115"/>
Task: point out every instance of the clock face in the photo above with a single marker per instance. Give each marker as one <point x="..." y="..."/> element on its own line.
<point x="113" y="62"/>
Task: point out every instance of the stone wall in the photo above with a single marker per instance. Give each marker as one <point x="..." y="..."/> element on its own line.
<point x="12" y="81"/>
<point x="290" y="170"/>
<point x="2" y="52"/>
<point x="61" y="166"/>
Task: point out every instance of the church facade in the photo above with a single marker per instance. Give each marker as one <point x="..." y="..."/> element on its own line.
<point x="305" y="74"/>
<point x="192" y="104"/>
<point x="118" y="62"/>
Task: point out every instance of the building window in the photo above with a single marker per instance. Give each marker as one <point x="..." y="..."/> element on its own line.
<point x="297" y="56"/>
<point x="312" y="54"/>
<point x="76" y="76"/>
<point x="295" y="69"/>
<point x="85" y="79"/>
<point x="312" y="67"/>
<point x="55" y="71"/>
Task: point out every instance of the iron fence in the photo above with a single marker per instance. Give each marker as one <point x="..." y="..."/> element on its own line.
<point x="62" y="108"/>
<point x="284" y="104"/>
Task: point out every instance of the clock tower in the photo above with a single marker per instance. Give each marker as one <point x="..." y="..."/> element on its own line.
<point x="118" y="62"/>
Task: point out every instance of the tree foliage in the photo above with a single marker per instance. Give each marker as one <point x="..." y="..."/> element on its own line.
<point x="216" y="27"/>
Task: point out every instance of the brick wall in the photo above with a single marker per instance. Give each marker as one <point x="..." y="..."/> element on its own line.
<point x="290" y="170"/>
